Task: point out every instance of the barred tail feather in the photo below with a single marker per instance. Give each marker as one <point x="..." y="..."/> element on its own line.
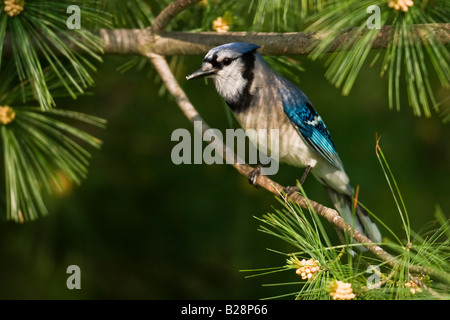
<point x="361" y="221"/>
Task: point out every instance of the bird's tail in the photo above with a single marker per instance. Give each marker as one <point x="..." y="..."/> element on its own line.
<point x="360" y="220"/>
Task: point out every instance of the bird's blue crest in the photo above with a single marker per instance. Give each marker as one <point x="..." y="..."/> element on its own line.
<point x="239" y="47"/>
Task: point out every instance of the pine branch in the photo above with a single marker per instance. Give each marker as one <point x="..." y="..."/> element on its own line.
<point x="290" y="43"/>
<point x="142" y="42"/>
<point x="155" y="43"/>
<point x="265" y="182"/>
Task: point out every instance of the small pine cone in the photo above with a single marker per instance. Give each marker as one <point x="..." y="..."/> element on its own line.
<point x="341" y="290"/>
<point x="400" y="4"/>
<point x="220" y="25"/>
<point x="7" y="115"/>
<point x="307" y="268"/>
<point x="14" y="7"/>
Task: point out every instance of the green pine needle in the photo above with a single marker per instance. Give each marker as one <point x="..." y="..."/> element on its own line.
<point x="129" y="14"/>
<point x="370" y="278"/>
<point x="37" y="147"/>
<point x="41" y="148"/>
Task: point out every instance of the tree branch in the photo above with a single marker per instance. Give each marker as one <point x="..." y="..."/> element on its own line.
<point x="144" y="42"/>
<point x="172" y="10"/>
<point x="290" y="43"/>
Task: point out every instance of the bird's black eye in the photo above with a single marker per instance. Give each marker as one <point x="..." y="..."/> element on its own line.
<point x="227" y="61"/>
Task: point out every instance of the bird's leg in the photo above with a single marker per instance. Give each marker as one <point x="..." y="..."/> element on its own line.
<point x="291" y="189"/>
<point x="254" y="174"/>
<point x="305" y="174"/>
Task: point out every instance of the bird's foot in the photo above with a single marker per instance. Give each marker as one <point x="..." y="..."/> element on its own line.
<point x="253" y="175"/>
<point x="289" y="190"/>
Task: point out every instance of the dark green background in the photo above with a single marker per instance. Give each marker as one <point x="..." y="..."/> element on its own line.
<point x="141" y="227"/>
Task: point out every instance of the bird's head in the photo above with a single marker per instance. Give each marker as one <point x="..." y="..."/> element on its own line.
<point x="230" y="66"/>
<point x="224" y="60"/>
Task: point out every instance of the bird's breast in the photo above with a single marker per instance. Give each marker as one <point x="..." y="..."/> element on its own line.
<point x="272" y="131"/>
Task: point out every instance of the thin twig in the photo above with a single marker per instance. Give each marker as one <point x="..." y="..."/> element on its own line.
<point x="172" y="10"/>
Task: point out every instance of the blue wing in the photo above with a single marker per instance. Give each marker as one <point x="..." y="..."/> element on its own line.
<point x="309" y="124"/>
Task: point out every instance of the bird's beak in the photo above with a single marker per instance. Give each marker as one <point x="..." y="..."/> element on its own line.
<point x="204" y="71"/>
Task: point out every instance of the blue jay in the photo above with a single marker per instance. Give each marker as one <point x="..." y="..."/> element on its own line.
<point x="261" y="99"/>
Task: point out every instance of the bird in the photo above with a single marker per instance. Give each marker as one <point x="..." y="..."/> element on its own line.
<point x="260" y="98"/>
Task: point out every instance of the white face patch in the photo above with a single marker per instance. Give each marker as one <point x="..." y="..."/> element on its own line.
<point x="229" y="81"/>
<point x="231" y="76"/>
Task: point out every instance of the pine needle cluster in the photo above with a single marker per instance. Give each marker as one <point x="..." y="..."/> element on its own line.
<point x="321" y="269"/>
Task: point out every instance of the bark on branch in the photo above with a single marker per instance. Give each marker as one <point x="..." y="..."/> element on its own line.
<point x="155" y="43"/>
<point x="172" y="10"/>
<point x="290" y="43"/>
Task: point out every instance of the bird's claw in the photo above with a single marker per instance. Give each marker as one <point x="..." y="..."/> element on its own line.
<point x="253" y="176"/>
<point x="289" y="190"/>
